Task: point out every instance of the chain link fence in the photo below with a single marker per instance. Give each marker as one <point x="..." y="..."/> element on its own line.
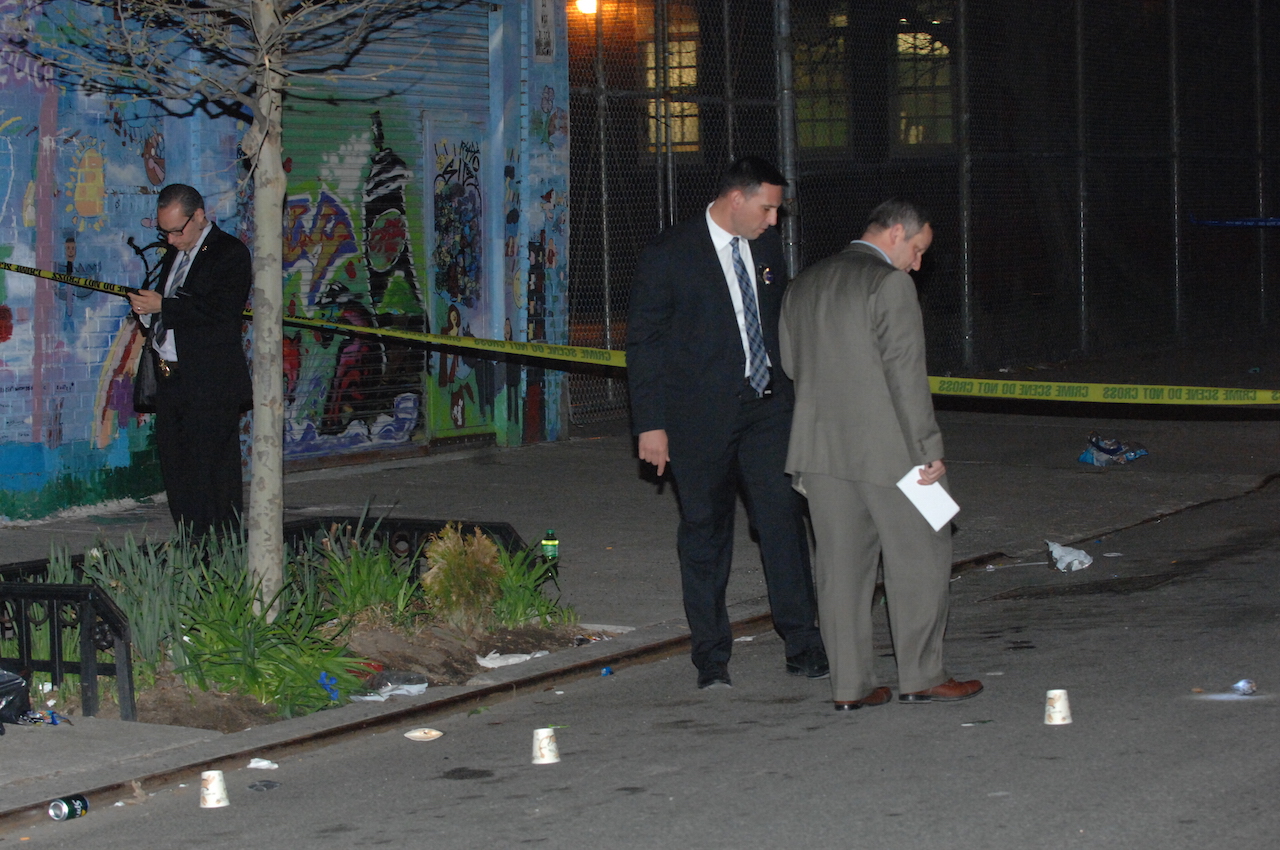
<point x="1068" y="152"/>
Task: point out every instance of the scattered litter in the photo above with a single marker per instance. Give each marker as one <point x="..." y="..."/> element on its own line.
<point x="392" y="683"/>
<point x="494" y="659"/>
<point x="561" y="693"/>
<point x="67" y="808"/>
<point x="213" y="790"/>
<point x="1245" y="687"/>
<point x="263" y="785"/>
<point x="606" y="671"/>
<point x="50" y="718"/>
<point x="262" y="764"/>
<point x="1067" y="559"/>
<point x="423" y="734"/>
<point x="1197" y="690"/>
<point x="977" y="722"/>
<point x="1113" y="554"/>
<point x="478" y="710"/>
<point x="330" y="684"/>
<point x="1102" y="452"/>
<point x="118" y="803"/>
<point x="545" y="749"/>
<point x="1057" y="708"/>
<point x="744" y="638"/>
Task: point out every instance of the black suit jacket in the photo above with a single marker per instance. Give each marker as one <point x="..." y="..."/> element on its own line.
<point x="685" y="363"/>
<point x="205" y="317"/>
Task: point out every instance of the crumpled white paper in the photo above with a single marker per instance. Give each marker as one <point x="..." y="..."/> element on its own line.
<point x="382" y="693"/>
<point x="1068" y="560"/>
<point x="493" y="659"/>
<point x="262" y="764"/>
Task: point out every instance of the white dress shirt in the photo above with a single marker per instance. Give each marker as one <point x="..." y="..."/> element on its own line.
<point x="723" y="239"/>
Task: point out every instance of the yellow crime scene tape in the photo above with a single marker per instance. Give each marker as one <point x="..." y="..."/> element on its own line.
<point x="543" y="350"/>
<point x="1105" y="393"/>
<point x="977" y="387"/>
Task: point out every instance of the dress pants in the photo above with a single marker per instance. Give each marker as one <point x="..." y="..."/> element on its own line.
<point x="199" y="445"/>
<point x="856" y="523"/>
<point x="707" y="487"/>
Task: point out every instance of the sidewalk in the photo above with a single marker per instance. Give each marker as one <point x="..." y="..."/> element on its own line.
<point x="1016" y="478"/>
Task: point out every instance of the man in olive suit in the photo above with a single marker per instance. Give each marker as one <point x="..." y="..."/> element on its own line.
<point x="852" y="340"/>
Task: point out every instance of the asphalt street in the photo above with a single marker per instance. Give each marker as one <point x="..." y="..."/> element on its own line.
<point x="1147" y="642"/>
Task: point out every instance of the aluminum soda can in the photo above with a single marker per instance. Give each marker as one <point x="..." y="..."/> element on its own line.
<point x="66" y="808"/>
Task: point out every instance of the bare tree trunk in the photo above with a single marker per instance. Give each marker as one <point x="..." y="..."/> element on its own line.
<point x="266" y="495"/>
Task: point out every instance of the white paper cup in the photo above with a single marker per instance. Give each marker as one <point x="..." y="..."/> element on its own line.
<point x="545" y="750"/>
<point x="1057" y="708"/>
<point x="213" y="790"/>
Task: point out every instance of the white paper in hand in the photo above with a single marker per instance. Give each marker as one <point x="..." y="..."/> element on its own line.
<point x="934" y="503"/>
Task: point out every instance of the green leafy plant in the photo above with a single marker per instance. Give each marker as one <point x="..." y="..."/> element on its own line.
<point x="291" y="662"/>
<point x="359" y="574"/>
<point x="521" y="591"/>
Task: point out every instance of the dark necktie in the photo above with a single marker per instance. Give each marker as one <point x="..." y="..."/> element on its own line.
<point x="158" y="331"/>
<point x="759" y="358"/>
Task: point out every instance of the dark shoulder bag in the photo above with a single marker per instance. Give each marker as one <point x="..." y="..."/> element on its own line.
<point x="144" y="380"/>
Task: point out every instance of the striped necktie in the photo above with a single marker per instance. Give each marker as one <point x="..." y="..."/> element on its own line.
<point x="158" y="331"/>
<point x="759" y="358"/>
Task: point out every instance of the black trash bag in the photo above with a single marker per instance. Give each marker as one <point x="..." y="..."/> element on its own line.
<point x="15" y="700"/>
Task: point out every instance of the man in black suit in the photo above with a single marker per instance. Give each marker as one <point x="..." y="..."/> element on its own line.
<point x="204" y="382"/>
<point x="708" y="396"/>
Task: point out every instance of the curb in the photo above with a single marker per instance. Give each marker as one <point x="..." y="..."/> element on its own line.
<point x="648" y="644"/>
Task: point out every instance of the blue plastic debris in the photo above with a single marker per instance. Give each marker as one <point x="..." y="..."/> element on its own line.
<point x="1102" y="452"/>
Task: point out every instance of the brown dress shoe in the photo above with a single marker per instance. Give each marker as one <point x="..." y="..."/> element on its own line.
<point x="879" y="696"/>
<point x="948" y="691"/>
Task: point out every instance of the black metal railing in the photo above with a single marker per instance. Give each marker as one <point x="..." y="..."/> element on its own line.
<point x="29" y="607"/>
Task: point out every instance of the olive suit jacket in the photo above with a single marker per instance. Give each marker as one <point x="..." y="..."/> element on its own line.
<point x="852" y="338"/>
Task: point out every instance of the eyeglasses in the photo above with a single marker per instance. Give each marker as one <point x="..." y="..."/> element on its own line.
<point x="165" y="234"/>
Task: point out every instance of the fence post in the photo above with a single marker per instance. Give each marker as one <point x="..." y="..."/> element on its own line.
<point x="787" y="134"/>
<point x="1082" y="185"/>
<point x="966" y="190"/>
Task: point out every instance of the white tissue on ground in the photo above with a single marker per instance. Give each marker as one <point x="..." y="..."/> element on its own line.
<point x="493" y="659"/>
<point x="1068" y="560"/>
<point x="392" y="690"/>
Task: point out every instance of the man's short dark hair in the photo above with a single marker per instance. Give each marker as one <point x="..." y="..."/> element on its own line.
<point x="897" y="211"/>
<point x="182" y="194"/>
<point x="747" y="175"/>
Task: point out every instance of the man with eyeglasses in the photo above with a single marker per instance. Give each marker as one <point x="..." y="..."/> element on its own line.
<point x="194" y="314"/>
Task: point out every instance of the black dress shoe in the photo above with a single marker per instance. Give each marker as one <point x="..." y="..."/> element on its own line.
<point x="714" y="676"/>
<point x="812" y="664"/>
<point x="879" y="696"/>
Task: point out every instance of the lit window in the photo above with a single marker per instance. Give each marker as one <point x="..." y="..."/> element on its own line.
<point x="821" y="84"/>
<point x="924" y="113"/>
<point x="673" y="121"/>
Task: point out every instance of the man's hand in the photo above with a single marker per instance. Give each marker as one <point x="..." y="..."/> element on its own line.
<point x="932" y="471"/>
<point x="653" y="449"/>
<point x="145" y="301"/>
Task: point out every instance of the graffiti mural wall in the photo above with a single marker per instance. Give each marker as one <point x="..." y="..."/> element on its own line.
<point x="414" y="204"/>
<point x="349" y="257"/>
<point x="78" y="178"/>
